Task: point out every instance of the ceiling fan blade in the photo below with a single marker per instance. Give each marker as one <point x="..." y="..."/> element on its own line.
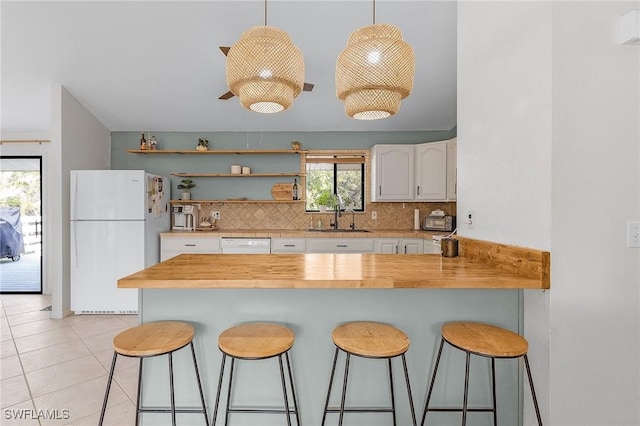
<point x="308" y="87"/>
<point x="226" y="96"/>
<point x="225" y="50"/>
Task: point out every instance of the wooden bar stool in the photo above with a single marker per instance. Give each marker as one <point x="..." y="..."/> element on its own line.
<point x="487" y="341"/>
<point x="368" y="340"/>
<point x="149" y="340"/>
<point x="254" y="341"/>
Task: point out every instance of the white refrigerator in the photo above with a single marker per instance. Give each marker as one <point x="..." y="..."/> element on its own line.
<point x="116" y="217"/>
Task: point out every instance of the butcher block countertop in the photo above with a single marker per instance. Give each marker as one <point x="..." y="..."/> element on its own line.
<point x="327" y="271"/>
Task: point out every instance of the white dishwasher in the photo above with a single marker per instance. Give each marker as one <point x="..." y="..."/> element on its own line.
<point x="246" y="245"/>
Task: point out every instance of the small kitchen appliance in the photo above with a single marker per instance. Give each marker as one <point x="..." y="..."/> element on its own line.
<point x="179" y="218"/>
<point x="438" y="221"/>
<point x="190" y="219"/>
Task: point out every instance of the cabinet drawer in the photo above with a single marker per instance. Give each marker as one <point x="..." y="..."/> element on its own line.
<point x="288" y="245"/>
<point x="340" y="245"/>
<point x="191" y="245"/>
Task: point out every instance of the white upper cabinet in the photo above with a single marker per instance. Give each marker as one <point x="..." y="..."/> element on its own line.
<point x="452" y="169"/>
<point x="392" y="172"/>
<point x="423" y="172"/>
<point x="431" y="171"/>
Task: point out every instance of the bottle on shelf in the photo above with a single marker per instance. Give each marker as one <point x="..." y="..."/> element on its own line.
<point x="295" y="189"/>
<point x="153" y="143"/>
<point x="143" y="143"/>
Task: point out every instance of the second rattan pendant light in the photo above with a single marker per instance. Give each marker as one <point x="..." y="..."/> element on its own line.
<point x="265" y="69"/>
<point x="375" y="72"/>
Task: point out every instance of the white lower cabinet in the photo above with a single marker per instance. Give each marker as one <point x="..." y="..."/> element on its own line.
<point x="400" y="246"/>
<point x="341" y="245"/>
<point x="288" y="245"/>
<point x="173" y="246"/>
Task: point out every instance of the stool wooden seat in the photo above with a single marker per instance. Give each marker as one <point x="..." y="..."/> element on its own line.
<point x="154" y="338"/>
<point x="368" y="339"/>
<point x="487" y="341"/>
<point x="150" y="340"/>
<point x="257" y="341"/>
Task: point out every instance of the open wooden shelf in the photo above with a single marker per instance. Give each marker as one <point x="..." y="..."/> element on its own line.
<point x="237" y="175"/>
<point x="216" y="151"/>
<point x="235" y="201"/>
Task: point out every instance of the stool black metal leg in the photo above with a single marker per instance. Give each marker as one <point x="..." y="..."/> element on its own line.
<point x="406" y="378"/>
<point x="228" y="412"/>
<point x="344" y="388"/>
<point x="215" y="409"/>
<point x="293" y="389"/>
<point x="333" y="370"/>
<point x="139" y="396"/>
<point x="284" y="391"/>
<point x="493" y="392"/>
<point x="466" y="391"/>
<point x="533" y="392"/>
<point x="106" y="395"/>
<point x="393" y="399"/>
<point x="433" y="380"/>
<point x="195" y="365"/>
<point x="173" y="396"/>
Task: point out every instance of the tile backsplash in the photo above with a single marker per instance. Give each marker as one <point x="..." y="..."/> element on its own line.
<point x="293" y="216"/>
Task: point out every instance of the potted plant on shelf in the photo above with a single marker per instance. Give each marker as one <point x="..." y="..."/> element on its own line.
<point x="296" y="145"/>
<point x="326" y="199"/>
<point x="186" y="185"/>
<point x="203" y="144"/>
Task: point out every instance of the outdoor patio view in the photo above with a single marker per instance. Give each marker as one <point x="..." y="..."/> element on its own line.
<point x="20" y="225"/>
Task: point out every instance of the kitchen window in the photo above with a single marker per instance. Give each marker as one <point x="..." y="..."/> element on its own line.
<point x="341" y="174"/>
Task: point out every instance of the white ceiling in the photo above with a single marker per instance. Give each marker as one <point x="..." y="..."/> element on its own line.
<point x="155" y="65"/>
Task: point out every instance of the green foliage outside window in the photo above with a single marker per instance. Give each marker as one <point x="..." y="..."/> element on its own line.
<point x="324" y="177"/>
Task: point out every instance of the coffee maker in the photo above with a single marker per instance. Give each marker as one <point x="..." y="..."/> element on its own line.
<point x="190" y="222"/>
<point x="185" y="217"/>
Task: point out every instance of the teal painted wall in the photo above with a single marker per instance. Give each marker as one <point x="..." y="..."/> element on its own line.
<point x="220" y="188"/>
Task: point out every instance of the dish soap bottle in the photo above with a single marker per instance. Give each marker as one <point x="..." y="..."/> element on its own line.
<point x="295" y="189"/>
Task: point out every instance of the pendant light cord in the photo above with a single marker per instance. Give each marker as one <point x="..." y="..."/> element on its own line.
<point x="374" y="12"/>
<point x="265" y="13"/>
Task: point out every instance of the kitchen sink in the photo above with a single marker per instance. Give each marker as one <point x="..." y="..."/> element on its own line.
<point x="338" y="230"/>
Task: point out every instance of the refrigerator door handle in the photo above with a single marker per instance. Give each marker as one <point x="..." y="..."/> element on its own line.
<point x="75" y="243"/>
<point x="75" y="196"/>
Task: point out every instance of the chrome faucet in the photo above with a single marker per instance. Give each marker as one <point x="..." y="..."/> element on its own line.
<point x="352" y="225"/>
<point x="337" y="212"/>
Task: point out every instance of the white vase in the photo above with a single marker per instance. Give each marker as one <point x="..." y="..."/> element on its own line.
<point x="323" y="209"/>
<point x="186" y="196"/>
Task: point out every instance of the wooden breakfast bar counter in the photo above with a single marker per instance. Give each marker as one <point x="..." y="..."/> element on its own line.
<point x="324" y="271"/>
<point x="313" y="293"/>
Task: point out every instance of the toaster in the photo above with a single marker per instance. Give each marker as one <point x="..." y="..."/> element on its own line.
<point x="439" y="223"/>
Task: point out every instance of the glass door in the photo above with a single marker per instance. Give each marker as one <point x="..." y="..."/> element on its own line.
<point x="21" y="224"/>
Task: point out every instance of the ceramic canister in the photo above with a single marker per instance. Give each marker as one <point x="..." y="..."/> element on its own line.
<point x="236" y="169"/>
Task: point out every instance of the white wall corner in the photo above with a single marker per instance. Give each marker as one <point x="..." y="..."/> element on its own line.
<point x="629" y="28"/>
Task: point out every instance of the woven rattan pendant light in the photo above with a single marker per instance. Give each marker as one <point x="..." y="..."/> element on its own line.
<point x="375" y="72"/>
<point x="265" y="70"/>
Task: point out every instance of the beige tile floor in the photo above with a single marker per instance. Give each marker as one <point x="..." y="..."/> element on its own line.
<point x="48" y="364"/>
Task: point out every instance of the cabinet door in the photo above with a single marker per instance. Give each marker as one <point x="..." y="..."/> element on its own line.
<point x="431" y="171"/>
<point x="412" y="246"/>
<point x="170" y="246"/>
<point x="392" y="174"/>
<point x="288" y="245"/>
<point x="452" y="169"/>
<point x="387" y="246"/>
<point x="340" y="245"/>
